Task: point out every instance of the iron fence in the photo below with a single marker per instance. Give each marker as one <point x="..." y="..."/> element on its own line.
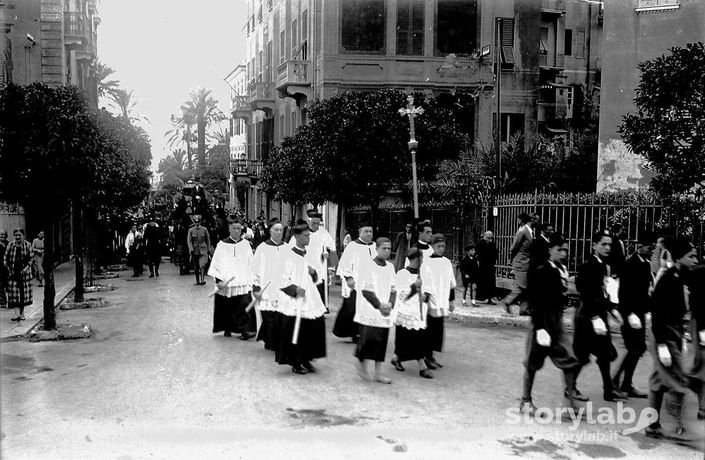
<point x="578" y="216"/>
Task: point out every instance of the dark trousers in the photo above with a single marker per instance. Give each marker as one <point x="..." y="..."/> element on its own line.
<point x="635" y="343"/>
<point x="560" y="352"/>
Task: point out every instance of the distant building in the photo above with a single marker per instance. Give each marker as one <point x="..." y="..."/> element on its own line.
<point x="301" y="50"/>
<point x="636" y="31"/>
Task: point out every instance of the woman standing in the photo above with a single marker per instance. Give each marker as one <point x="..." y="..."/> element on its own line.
<point x="38" y="253"/>
<point x="486" y="260"/>
<point x="18" y="262"/>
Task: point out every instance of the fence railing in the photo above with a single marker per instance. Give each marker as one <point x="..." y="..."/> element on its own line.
<point x="578" y="216"/>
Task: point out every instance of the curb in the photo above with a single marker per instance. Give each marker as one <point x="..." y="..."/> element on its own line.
<point x="59" y="297"/>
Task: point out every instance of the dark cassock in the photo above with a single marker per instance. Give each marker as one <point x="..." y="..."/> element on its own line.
<point x="311" y="336"/>
<point x="697" y="325"/>
<point x="486" y="278"/>
<point x="410" y="313"/>
<point x="266" y="270"/>
<point x="356" y="254"/>
<point x="547" y="300"/>
<point x="634" y="286"/>
<point x="591" y="316"/>
<point x="376" y="284"/>
<point x="232" y="263"/>
<point x="400" y="246"/>
<point x="438" y="278"/>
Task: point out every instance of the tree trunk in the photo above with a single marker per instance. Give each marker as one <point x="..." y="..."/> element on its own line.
<point x="49" y="288"/>
<point x="188" y="150"/>
<point x="201" y="144"/>
<point x="78" y="249"/>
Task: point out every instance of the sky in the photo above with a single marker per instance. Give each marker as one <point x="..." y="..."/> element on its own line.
<point x="162" y="49"/>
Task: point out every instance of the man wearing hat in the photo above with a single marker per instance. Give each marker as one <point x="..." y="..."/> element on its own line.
<point x="668" y="306"/>
<point x="634" y="286"/>
<point x="199" y="246"/>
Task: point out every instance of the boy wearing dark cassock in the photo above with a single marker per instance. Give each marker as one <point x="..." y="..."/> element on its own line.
<point x="231" y="268"/>
<point x="547" y="337"/>
<point x="634" y="288"/>
<point x="373" y="309"/>
<point x="592" y="335"/>
<point x="266" y="269"/>
<point x="438" y="280"/>
<point x="411" y="311"/>
<point x="357" y="254"/>
<point x="303" y="329"/>
<point x="668" y="307"/>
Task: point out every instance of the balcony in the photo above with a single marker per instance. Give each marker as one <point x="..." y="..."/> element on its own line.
<point x="262" y="96"/>
<point x="240" y="107"/>
<point x="294" y="79"/>
<point x="245" y="169"/>
<point x="76" y="28"/>
<point x="552" y="61"/>
<point x="552" y="8"/>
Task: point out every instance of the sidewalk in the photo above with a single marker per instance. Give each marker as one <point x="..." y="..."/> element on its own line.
<point x="64" y="281"/>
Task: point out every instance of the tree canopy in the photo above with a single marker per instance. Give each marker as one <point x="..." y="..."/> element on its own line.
<point x="354" y="148"/>
<point x="668" y="128"/>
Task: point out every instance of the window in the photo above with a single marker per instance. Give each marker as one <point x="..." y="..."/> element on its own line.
<point x="568" y="50"/>
<point x="260" y="66"/>
<point x="282" y="134"/>
<point x="654" y="5"/>
<point x="282" y="47"/>
<point x="363" y="26"/>
<point x="268" y="69"/>
<point x="580" y="44"/>
<point x="512" y="125"/>
<point x="293" y="122"/>
<point x="303" y="51"/>
<point x="294" y="39"/>
<point x="456" y="27"/>
<point x="410" y="27"/>
<point x="506" y="37"/>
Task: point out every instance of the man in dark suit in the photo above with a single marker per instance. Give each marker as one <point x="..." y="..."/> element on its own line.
<point x="401" y="245"/>
<point x="592" y="334"/>
<point x="634" y="285"/>
<point x="539" y="247"/>
<point x="618" y="254"/>
<point x="520" y="255"/>
<point x="547" y="337"/>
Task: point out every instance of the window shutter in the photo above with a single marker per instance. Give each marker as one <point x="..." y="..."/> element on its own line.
<point x="507" y="31"/>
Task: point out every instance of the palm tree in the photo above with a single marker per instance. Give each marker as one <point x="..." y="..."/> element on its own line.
<point x="126" y="101"/>
<point x="203" y="108"/>
<point x="181" y="133"/>
<point x="105" y="87"/>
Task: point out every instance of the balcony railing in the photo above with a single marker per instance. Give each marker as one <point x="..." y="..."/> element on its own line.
<point x="552" y="6"/>
<point x="552" y="60"/>
<point x="240" y="103"/>
<point x="261" y="91"/>
<point x="75" y="24"/>
<point x="247" y="167"/>
<point x="293" y="72"/>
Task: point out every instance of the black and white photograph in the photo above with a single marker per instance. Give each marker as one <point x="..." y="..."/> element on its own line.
<point x="352" y="229"/>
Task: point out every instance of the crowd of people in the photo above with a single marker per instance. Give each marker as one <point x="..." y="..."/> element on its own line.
<point x="278" y="294"/>
<point x="21" y="262"/>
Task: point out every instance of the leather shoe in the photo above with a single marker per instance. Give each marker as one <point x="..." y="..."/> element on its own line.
<point x="653" y="432"/>
<point x="397" y="365"/>
<point x="614" y="396"/>
<point x="383" y="379"/>
<point x="425" y="373"/>
<point x="435" y="363"/>
<point x="575" y="395"/>
<point x="298" y="370"/>
<point x="430" y="365"/>
<point x="247" y="335"/>
<point x="527" y="407"/>
<point x="227" y="334"/>
<point x="635" y="393"/>
<point x="309" y="367"/>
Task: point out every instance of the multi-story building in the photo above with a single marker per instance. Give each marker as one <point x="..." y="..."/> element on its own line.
<point x="300" y="50"/>
<point x="636" y="31"/>
<point x="54" y="42"/>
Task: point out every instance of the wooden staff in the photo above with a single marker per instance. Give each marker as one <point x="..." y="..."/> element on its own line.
<point x="251" y="305"/>
<point x="297" y="326"/>
<point x="215" y="291"/>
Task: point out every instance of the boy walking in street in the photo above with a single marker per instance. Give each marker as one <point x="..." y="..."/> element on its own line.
<point x="468" y="271"/>
<point x="372" y="311"/>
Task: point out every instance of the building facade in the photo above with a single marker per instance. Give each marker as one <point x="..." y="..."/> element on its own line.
<point x="549" y="54"/>
<point x="53" y="42"/>
<point x="636" y="31"/>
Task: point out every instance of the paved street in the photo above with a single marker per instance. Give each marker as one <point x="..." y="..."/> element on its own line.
<point x="153" y="382"/>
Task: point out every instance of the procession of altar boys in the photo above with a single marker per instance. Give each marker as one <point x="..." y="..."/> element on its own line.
<point x="279" y="295"/>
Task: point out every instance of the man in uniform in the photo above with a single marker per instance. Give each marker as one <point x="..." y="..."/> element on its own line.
<point x="199" y="246"/>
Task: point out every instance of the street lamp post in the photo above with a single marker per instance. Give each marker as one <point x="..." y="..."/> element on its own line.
<point x="412" y="112"/>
